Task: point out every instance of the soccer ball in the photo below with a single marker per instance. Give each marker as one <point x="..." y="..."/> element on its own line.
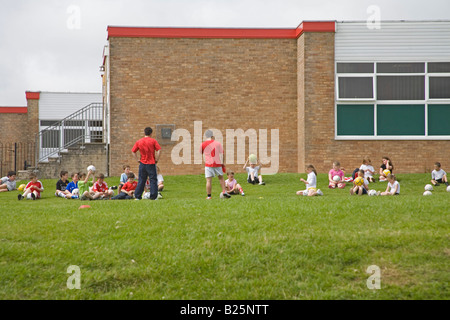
<point x="91" y="168"/>
<point x="75" y="192"/>
<point x="427" y="193"/>
<point x="359" y="181"/>
<point x="386" y="172"/>
<point x="146" y="195"/>
<point x="428" y="187"/>
<point x="448" y="189"/>
<point x="372" y="193"/>
<point x="336" y="178"/>
<point x="222" y="196"/>
<point x="305" y="192"/>
<point x="252" y="158"/>
<point x="21" y="187"/>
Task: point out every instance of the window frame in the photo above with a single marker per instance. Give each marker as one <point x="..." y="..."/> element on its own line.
<point x="427" y="101"/>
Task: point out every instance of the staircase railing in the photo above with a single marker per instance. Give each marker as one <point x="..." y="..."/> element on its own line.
<point x="82" y="126"/>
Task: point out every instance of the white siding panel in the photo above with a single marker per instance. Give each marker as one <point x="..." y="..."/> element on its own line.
<point x="395" y="41"/>
<point x="58" y="105"/>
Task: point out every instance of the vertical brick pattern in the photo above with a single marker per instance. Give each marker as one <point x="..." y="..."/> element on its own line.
<point x="33" y="119"/>
<point x="225" y="83"/>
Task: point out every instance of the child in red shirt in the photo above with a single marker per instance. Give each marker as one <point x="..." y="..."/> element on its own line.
<point x="127" y="191"/>
<point x="101" y="188"/>
<point x="33" y="189"/>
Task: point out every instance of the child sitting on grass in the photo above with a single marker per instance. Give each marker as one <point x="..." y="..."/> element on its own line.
<point x="33" y="189"/>
<point x="336" y="171"/>
<point x="72" y="187"/>
<point x="101" y="188"/>
<point x="367" y="169"/>
<point x="231" y="185"/>
<point x="386" y="165"/>
<point x="160" y="179"/>
<point x="253" y="172"/>
<point x="8" y="183"/>
<point x="438" y="175"/>
<point x="362" y="189"/>
<point x="311" y="183"/>
<point x="393" y="185"/>
<point x="127" y="190"/>
<point x="84" y="184"/>
<point x="61" y="186"/>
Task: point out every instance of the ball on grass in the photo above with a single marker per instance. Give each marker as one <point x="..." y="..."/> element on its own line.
<point x="427" y="193"/>
<point x="428" y="187"/>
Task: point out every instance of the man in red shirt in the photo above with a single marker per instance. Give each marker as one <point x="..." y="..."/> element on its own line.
<point x="150" y="152"/>
<point x="213" y="152"/>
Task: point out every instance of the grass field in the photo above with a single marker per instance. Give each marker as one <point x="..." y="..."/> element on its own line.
<point x="270" y="244"/>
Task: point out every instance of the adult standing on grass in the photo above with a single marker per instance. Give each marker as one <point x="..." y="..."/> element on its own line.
<point x="213" y="152"/>
<point x="150" y="152"/>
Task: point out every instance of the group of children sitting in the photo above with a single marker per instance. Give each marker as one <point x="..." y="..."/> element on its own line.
<point x="337" y="179"/>
<point x="81" y="188"/>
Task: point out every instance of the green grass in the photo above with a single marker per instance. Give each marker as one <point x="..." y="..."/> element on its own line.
<point x="270" y="244"/>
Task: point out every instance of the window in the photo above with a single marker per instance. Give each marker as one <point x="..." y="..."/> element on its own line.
<point x="355" y="88"/>
<point x="48" y="123"/>
<point x="401" y="87"/>
<point x="50" y="139"/>
<point x="96" y="136"/>
<point x="438" y="119"/>
<point x="355" y="120"/>
<point x="400" y="120"/>
<point x="439" y="67"/>
<point x="71" y="135"/>
<point x="355" y="68"/>
<point x="439" y="87"/>
<point x="400" y="67"/>
<point x="393" y="100"/>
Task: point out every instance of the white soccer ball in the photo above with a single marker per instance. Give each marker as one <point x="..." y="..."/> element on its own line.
<point x="336" y="178"/>
<point x="91" y="168"/>
<point x="448" y="189"/>
<point x="112" y="192"/>
<point x="146" y="195"/>
<point x="372" y="193"/>
<point x="75" y="192"/>
<point x="428" y="187"/>
<point x="29" y="196"/>
<point x="427" y="193"/>
<point x="305" y="192"/>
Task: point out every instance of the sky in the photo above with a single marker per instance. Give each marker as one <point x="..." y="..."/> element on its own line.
<point x="57" y="45"/>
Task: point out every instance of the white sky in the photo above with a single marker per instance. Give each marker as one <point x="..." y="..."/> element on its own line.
<point x="44" y="47"/>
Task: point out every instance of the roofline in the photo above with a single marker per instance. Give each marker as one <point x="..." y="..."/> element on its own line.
<point x="13" y="110"/>
<point x="221" y="33"/>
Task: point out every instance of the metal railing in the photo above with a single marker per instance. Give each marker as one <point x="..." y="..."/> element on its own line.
<point x="82" y="126"/>
<point x="16" y="156"/>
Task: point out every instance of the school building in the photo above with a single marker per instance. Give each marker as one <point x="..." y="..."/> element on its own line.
<point x="55" y="131"/>
<point x="333" y="90"/>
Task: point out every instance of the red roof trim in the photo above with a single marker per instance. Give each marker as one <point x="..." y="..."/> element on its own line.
<point x="13" y="110"/>
<point x="138" y="32"/>
<point x="32" y="95"/>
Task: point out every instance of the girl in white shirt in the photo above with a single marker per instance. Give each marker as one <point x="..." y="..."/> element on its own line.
<point x="368" y="169"/>
<point x="311" y="183"/>
<point x="393" y="185"/>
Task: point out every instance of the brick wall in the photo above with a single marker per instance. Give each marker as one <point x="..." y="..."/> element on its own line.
<point x="13" y="127"/>
<point x="76" y="160"/>
<point x="225" y="83"/>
